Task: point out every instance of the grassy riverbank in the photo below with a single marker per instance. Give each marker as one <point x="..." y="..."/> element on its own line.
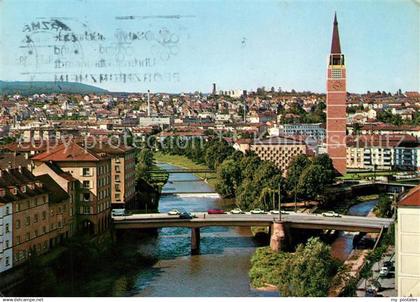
<point x="184" y="162"/>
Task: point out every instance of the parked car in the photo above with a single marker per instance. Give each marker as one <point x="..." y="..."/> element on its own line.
<point x="384" y="272"/>
<point x="215" y="211"/>
<point x="237" y="211"/>
<point x="257" y="211"/>
<point x="276" y="212"/>
<point x="331" y="214"/>
<point x="186" y="215"/>
<point x="174" y="212"/>
<point x="370" y="292"/>
<point x="118" y="212"/>
<point x="390" y="265"/>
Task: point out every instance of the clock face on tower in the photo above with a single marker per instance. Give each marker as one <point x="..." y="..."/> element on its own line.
<point x="337" y="85"/>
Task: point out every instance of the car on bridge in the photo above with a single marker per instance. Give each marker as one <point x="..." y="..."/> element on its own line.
<point x="257" y="211"/>
<point x="118" y="212"/>
<point x="174" y="212"/>
<point x="331" y="214"/>
<point x="237" y="211"/>
<point x="186" y="215"/>
<point x="276" y="212"/>
<point x="215" y="211"/>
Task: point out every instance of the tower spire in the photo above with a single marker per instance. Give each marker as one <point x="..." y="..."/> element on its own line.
<point x="335" y="44"/>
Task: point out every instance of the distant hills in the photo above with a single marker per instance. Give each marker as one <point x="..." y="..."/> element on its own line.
<point x="46" y="87"/>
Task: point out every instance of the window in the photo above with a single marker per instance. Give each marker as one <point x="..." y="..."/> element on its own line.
<point x="7" y="261"/>
<point x="86" y="172"/>
<point x="117" y="178"/>
<point x="86" y="210"/>
<point x="44" y="229"/>
<point x="117" y="187"/>
<point x="7" y="244"/>
<point x="27" y="220"/>
<point x="36" y="218"/>
<point x="17" y="207"/>
<point x="117" y="160"/>
<point x="17" y="239"/>
<point x="86" y="196"/>
<point x="17" y="224"/>
<point x="27" y="236"/>
<point x="86" y="184"/>
<point x="7" y="228"/>
<point x="44" y="215"/>
<point x="117" y="169"/>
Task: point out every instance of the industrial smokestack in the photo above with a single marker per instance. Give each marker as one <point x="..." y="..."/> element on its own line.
<point x="148" y="103"/>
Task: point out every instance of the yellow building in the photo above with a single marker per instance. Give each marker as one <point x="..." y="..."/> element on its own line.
<point x="408" y="244"/>
<point x="123" y="173"/>
<point x="93" y="171"/>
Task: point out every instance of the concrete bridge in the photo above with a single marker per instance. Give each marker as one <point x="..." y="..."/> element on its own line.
<point x="278" y="229"/>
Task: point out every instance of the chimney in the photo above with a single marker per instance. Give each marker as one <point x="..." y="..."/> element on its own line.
<point x="148" y="103"/>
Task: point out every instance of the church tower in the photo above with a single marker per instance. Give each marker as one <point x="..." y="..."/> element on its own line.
<point x="336" y="104"/>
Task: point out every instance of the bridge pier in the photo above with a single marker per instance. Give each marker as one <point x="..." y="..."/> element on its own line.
<point x="278" y="234"/>
<point x="195" y="241"/>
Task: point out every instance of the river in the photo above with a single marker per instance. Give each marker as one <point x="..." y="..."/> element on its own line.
<point x="222" y="267"/>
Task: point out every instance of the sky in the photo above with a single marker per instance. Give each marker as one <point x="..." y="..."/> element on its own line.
<point x="185" y="46"/>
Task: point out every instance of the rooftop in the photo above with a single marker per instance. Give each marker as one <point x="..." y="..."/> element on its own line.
<point x="411" y="199"/>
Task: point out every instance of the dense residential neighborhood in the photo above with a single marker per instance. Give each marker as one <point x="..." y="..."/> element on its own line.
<point x="160" y="187"/>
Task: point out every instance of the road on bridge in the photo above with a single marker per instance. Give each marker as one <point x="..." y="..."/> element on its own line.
<point x="295" y="220"/>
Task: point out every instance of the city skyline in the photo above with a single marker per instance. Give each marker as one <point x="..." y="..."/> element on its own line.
<point x="270" y="45"/>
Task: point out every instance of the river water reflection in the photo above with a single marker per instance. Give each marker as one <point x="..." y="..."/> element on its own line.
<point x="222" y="267"/>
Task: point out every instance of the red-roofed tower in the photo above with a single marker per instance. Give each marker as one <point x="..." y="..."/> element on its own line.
<point x="336" y="104"/>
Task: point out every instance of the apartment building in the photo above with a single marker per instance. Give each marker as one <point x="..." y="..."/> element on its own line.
<point x="123" y="173"/>
<point x="33" y="226"/>
<point x="315" y="131"/>
<point x="6" y="233"/>
<point x="383" y="152"/>
<point x="407" y="244"/>
<point x="69" y="184"/>
<point x="279" y="150"/>
<point x="93" y="171"/>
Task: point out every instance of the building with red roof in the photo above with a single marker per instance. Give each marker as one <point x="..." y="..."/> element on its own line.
<point x="407" y="243"/>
